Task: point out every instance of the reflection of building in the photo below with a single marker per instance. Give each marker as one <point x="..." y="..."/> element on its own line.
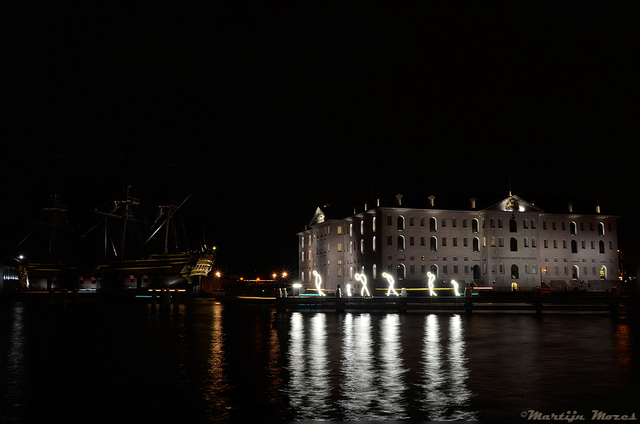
<point x="510" y="244"/>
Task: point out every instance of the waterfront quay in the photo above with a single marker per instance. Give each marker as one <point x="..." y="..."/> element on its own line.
<point x="486" y="302"/>
<point x="483" y="302"/>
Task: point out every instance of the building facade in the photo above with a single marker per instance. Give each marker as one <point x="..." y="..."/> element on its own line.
<point x="511" y="245"/>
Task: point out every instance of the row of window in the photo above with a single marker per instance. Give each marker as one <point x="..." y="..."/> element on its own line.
<point x="433" y="244"/>
<point x="401" y="271"/>
<point x="433" y="226"/>
<point x="574" y="245"/>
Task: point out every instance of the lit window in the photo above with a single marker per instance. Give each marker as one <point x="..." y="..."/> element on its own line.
<point x="339" y="229"/>
<point x="339" y="247"/>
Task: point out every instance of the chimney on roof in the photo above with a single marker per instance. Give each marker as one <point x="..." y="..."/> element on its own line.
<point x="473" y="202"/>
<point x="598" y="208"/>
<point x="431" y="200"/>
<point x="570" y="207"/>
<point x="399" y="199"/>
<point x="378" y="202"/>
<point x="365" y="206"/>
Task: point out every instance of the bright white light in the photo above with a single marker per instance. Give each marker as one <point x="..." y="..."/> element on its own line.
<point x="362" y="278"/>
<point x="297" y="285"/>
<point x="318" y="282"/>
<point x="431" y="280"/>
<point x="455" y="287"/>
<point x="390" y="280"/>
<point x="348" y="290"/>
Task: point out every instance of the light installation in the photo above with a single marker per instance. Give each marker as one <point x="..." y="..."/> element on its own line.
<point x="455" y="287"/>
<point x="363" y="279"/>
<point x="431" y="280"/>
<point x="318" y="282"/>
<point x="348" y="290"/>
<point x="390" y="280"/>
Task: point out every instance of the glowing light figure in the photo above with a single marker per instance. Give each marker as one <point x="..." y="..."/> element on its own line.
<point x="363" y="279"/>
<point x="456" y="290"/>
<point x="390" y="280"/>
<point x="432" y="278"/>
<point x="348" y="290"/>
<point x="318" y="282"/>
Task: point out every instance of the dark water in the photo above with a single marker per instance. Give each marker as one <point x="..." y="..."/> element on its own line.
<point x="210" y="361"/>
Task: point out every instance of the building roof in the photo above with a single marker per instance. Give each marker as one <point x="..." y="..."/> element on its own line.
<point x="459" y="201"/>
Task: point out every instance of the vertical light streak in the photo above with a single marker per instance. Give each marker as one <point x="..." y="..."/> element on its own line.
<point x="431" y="280"/>
<point x="456" y="290"/>
<point x="363" y="279"/>
<point x="348" y="290"/>
<point x="393" y="402"/>
<point x="318" y="281"/>
<point x="390" y="280"/>
<point x="358" y="370"/>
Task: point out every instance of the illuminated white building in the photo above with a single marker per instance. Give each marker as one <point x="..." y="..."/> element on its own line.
<point x="511" y="244"/>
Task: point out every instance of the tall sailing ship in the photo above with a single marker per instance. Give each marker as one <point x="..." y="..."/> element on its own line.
<point x="122" y="266"/>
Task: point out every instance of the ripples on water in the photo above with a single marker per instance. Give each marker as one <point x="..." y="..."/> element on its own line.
<point x="209" y="361"/>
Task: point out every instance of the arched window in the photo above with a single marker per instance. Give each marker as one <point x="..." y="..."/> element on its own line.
<point x="514" y="271"/>
<point x="350" y="230"/>
<point x="514" y="286"/>
<point x="601" y="229"/>
<point x="601" y="246"/>
<point x="575" y="272"/>
<point x="493" y="268"/>
<point x="434" y="244"/>
<point x="401" y="223"/>
<point x="373" y="244"/>
<point x="401" y="272"/>
<point x="434" y="270"/>
<point x="533" y="243"/>
<point x="513" y="225"/>
<point x="492" y="223"/>
<point x="574" y="246"/>
<point x="514" y="244"/>
<point x="493" y="242"/>
<point x="373" y="224"/>
<point x="433" y="224"/>
<point x="375" y="271"/>
<point x="476" y="244"/>
<point x="362" y="226"/>
<point x="603" y="272"/>
<point x="474" y="225"/>
<point x="400" y="243"/>
<point x="362" y="245"/>
<point x="501" y="268"/>
<point x="573" y="228"/>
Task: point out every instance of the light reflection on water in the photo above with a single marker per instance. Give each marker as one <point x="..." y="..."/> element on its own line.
<point x="207" y="361"/>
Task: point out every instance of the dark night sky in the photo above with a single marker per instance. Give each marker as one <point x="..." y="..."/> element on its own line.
<point x="268" y="111"/>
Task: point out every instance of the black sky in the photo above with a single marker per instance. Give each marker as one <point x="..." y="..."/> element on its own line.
<point x="267" y="111"/>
